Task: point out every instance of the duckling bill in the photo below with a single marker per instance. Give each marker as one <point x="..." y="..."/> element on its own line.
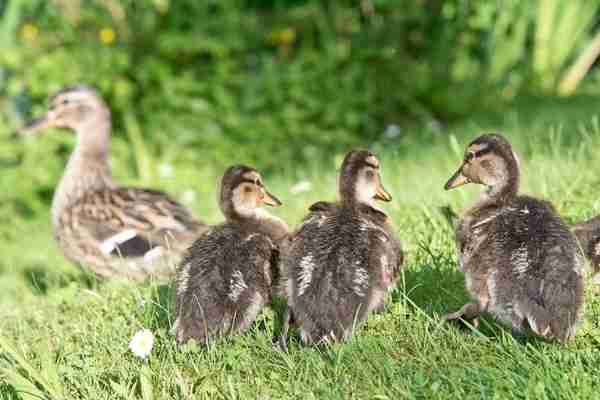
<point x="339" y="264"/>
<point x="521" y="262"/>
<point x="227" y="275"/>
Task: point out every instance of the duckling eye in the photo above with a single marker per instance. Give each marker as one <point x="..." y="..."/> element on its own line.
<point x="370" y="174"/>
<point x="469" y="157"/>
<point x="65" y="102"/>
<point x="486" y="164"/>
<point x="247" y="189"/>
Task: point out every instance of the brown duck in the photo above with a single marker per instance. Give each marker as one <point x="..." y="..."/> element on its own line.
<point x="114" y="231"/>
<point x="521" y="262"/>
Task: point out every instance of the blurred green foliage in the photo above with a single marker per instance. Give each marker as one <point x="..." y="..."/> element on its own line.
<point x="270" y="82"/>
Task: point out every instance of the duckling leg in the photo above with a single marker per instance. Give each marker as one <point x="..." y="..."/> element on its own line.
<point x="517" y="327"/>
<point x="469" y="311"/>
<point x="288" y="318"/>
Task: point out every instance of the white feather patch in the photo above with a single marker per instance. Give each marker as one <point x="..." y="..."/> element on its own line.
<point x="183" y="278"/>
<point x="108" y="245"/>
<point x="237" y="285"/>
<point x="361" y="280"/>
<point x="305" y="274"/>
<point x="519" y="260"/>
<point x="491" y="286"/>
<point x="485" y="221"/>
<point x="154" y="254"/>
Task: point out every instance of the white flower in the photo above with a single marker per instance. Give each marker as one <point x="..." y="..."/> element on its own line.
<point x="141" y="343"/>
<point x="391" y="131"/>
<point x="165" y="170"/>
<point x="188" y="196"/>
<point x="301" y="187"/>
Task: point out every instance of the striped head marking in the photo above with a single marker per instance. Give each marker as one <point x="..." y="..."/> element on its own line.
<point x="489" y="160"/>
<point x="243" y="191"/>
<point x="71" y="107"/>
<point x="360" y="178"/>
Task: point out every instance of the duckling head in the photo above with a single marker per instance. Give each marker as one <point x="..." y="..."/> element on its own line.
<point x="489" y="160"/>
<point x="75" y="107"/>
<point x="360" y="179"/>
<point x="243" y="193"/>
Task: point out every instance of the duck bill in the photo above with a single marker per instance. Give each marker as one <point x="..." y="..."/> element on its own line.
<point x="382" y="194"/>
<point x="36" y="125"/>
<point x="458" y="179"/>
<point x="270" y="200"/>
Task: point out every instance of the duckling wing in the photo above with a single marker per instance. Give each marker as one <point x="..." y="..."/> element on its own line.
<point x="322" y="206"/>
<point x="223" y="282"/>
<point x="131" y="222"/>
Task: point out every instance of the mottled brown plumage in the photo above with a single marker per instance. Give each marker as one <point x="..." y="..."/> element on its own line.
<point x="227" y="275"/>
<point x="113" y="231"/>
<point x="521" y="262"/>
<point x="341" y="261"/>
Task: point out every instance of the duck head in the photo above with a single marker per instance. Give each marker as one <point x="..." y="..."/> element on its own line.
<point x="74" y="107"/>
<point x="489" y="160"/>
<point x="360" y="179"/>
<point x="243" y="193"/>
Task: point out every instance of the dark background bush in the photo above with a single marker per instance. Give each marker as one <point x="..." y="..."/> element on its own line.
<point x="275" y="82"/>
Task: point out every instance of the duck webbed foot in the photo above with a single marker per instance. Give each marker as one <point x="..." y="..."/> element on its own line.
<point x="468" y="312"/>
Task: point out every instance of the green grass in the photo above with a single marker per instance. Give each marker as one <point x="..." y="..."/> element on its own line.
<point x="65" y="334"/>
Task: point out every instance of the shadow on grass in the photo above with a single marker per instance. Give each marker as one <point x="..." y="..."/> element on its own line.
<point x="432" y="289"/>
<point x="41" y="280"/>
<point x="440" y="290"/>
<point x="163" y="304"/>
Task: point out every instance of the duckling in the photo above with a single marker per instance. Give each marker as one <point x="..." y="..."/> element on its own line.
<point x="226" y="276"/>
<point x="521" y="262"/>
<point x="588" y="234"/>
<point x="339" y="264"/>
<point x="114" y="231"/>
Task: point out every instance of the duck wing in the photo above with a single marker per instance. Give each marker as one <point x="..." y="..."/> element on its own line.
<point x="130" y="222"/>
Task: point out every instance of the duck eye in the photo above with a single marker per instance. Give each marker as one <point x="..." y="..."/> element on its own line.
<point x="469" y="157"/>
<point x="370" y="174"/>
<point x="65" y="102"/>
<point x="247" y="189"/>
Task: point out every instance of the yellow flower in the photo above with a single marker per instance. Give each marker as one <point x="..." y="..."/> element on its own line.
<point x="107" y="35"/>
<point x="282" y="37"/>
<point x="287" y="36"/>
<point x="29" y="32"/>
